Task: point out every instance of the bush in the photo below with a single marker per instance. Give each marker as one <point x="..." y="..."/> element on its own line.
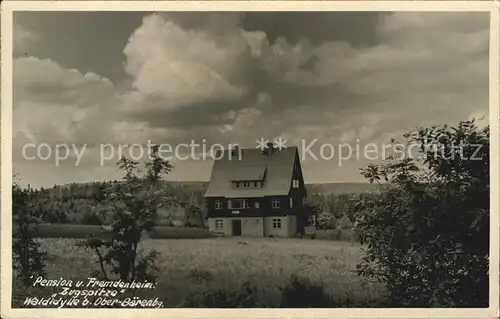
<point x="345" y="223"/>
<point x="68" y="231"/>
<point x="428" y="232"/>
<point x="133" y="210"/>
<point x="244" y="297"/>
<point x="179" y="232"/>
<point x="28" y="261"/>
<point x="300" y="293"/>
<point x="336" y="234"/>
<point x="91" y="218"/>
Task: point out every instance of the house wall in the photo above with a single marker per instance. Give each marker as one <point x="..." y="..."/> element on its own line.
<point x="292" y="225"/>
<point x="250" y="226"/>
<point x="288" y="226"/>
<point x="256" y="226"/>
<point x="265" y="207"/>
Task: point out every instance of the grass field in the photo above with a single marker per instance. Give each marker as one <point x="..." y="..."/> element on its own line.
<point x="83" y="231"/>
<point x="192" y="269"/>
<point x="163" y="232"/>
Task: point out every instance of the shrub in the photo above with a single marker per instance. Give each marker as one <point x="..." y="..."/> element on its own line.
<point x="345" y="223"/>
<point x="133" y="206"/>
<point x="244" y="297"/>
<point x="300" y="293"/>
<point x="427" y="234"/>
<point x="91" y="218"/>
<point x="28" y="260"/>
<point x="68" y="231"/>
<point x="336" y="234"/>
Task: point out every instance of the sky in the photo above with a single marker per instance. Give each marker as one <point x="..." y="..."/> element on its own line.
<point x="95" y="83"/>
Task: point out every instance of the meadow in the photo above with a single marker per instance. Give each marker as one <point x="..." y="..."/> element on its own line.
<point x="238" y="272"/>
<point x="84" y="231"/>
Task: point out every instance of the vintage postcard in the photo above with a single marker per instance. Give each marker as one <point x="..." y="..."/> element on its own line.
<point x="250" y="159"/>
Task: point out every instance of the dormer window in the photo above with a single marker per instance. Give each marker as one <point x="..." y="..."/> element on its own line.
<point x="248" y="184"/>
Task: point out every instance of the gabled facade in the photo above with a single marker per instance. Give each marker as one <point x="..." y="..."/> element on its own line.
<point x="257" y="193"/>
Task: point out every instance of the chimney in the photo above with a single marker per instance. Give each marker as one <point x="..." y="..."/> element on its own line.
<point x="235" y="151"/>
<point x="218" y="154"/>
<point x="270" y="148"/>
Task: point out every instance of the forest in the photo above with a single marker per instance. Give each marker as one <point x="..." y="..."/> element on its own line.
<point x="81" y="203"/>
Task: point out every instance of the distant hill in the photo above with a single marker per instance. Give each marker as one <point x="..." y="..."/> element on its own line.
<point x="341" y="188"/>
<point x="312" y="188"/>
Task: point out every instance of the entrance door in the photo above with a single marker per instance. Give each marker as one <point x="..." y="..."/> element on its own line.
<point x="236" y="227"/>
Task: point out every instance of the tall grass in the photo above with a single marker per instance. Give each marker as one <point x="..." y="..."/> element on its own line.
<point x="258" y="272"/>
<point x="84" y="231"/>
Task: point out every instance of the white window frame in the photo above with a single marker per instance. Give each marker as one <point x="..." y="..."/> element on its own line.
<point x="276" y="223"/>
<point x="229" y="204"/>
<point x="291" y="202"/>
<point x="257" y="204"/>
<point x="245" y="204"/>
<point x="219" y="223"/>
<point x="296" y="183"/>
<point x="218" y="204"/>
<point x="275" y="202"/>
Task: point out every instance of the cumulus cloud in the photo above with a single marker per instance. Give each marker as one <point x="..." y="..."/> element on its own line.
<point x="206" y="76"/>
<point x="23" y="39"/>
<point x="184" y="67"/>
<point x="427" y="63"/>
<point x="420" y="63"/>
<point x="53" y="105"/>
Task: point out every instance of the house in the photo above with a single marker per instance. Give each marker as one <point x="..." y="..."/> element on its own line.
<point x="257" y="193"/>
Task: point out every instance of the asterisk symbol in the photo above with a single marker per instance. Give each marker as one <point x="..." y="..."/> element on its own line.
<point x="280" y="143"/>
<point x="262" y="143"/>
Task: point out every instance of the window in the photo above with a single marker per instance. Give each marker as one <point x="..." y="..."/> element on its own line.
<point x="219" y="224"/>
<point x="257" y="204"/>
<point x="291" y="202"/>
<point x="239" y="203"/>
<point x="218" y="204"/>
<point x="277" y="223"/>
<point x="296" y="183"/>
<point x="257" y="222"/>
<point x="275" y="203"/>
<point x="248" y="184"/>
<point x="229" y="204"/>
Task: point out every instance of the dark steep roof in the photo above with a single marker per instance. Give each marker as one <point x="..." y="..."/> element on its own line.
<point x="277" y="168"/>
